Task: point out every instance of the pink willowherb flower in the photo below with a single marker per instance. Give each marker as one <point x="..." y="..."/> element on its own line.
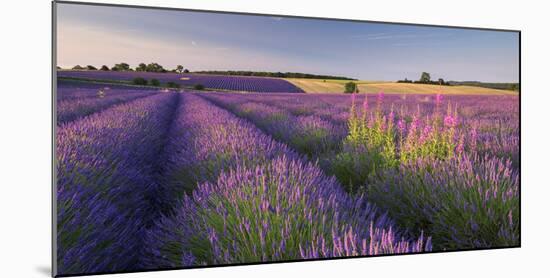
<point x="438" y="98"/>
<point x="426" y="133"/>
<point x="391" y="117"/>
<point x="414" y="123"/>
<point x="365" y="104"/>
<point x="450" y="121"/>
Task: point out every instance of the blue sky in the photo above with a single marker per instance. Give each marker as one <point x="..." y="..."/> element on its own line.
<point x="99" y="35"/>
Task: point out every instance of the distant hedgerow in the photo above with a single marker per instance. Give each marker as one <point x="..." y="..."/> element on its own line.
<point x="139" y="81"/>
<point x="172" y="85"/>
<point x="155" y="82"/>
<point x="198" y="87"/>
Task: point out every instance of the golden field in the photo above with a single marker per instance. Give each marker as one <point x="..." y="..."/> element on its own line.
<point x="337" y="86"/>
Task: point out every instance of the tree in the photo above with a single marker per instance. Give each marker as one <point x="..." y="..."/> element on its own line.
<point x="154" y="67"/>
<point x="185" y="71"/>
<point x="179" y="68"/>
<point x="78" y="67"/>
<point x="104" y="68"/>
<point x="441" y="81"/>
<point x="425" y="78"/>
<point x="350" y="88"/>
<point x="121" y="67"/>
<point x="90" y="67"/>
<point x="141" y="67"/>
<point x="404" y="81"/>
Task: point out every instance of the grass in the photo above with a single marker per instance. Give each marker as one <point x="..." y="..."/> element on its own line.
<point x="337" y="86"/>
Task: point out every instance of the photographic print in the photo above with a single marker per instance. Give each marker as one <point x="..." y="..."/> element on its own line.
<point x="187" y="138"/>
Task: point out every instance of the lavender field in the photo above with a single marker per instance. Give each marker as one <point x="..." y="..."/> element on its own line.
<point x="150" y="178"/>
<point x="220" y="82"/>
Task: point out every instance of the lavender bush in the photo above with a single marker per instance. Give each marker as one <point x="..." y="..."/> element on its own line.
<point x="465" y="202"/>
<point x="285" y="210"/>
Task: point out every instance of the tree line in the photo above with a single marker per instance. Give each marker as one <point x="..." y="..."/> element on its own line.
<point x="151" y="67"/>
<point x="425" y="78"/>
<point x="155" y="67"/>
<point x="491" y="85"/>
<point x="274" y="74"/>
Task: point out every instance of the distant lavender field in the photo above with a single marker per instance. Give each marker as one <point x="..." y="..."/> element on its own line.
<point x="234" y="83"/>
<point x="152" y="178"/>
<point x="79" y="99"/>
<point x="73" y="89"/>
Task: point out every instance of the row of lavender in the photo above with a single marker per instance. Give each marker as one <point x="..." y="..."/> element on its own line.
<point x="437" y="170"/>
<point x="79" y="99"/>
<point x="106" y="178"/>
<point x="68" y="90"/>
<point x="123" y="207"/>
<point x="220" y="82"/>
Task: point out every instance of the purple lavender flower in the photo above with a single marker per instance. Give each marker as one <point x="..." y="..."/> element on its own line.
<point x="401" y="125"/>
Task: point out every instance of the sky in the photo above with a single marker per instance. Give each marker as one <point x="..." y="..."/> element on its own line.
<point x="98" y="35"/>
